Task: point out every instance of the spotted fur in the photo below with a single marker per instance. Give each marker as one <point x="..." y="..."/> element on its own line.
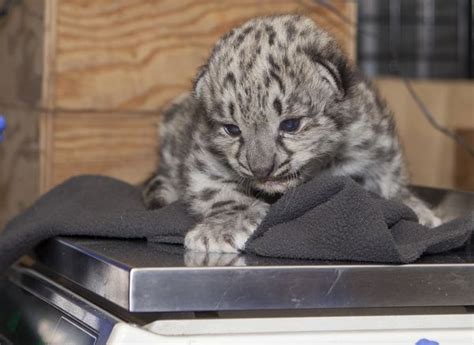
<point x="265" y="72"/>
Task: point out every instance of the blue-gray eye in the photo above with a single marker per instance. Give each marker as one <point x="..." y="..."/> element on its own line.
<point x="290" y="125"/>
<point x="232" y="130"/>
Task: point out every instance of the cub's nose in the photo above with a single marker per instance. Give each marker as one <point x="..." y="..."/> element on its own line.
<point x="262" y="171"/>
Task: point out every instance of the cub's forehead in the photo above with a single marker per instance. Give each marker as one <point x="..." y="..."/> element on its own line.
<point x="262" y="67"/>
<point x="278" y="35"/>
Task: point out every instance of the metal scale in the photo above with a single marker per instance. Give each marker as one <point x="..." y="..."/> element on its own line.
<point x="96" y="291"/>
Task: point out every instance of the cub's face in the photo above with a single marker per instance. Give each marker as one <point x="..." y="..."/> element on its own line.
<point x="272" y="100"/>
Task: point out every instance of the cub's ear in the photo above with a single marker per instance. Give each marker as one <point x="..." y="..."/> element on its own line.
<point x="201" y="81"/>
<point x="331" y="75"/>
<point x="331" y="70"/>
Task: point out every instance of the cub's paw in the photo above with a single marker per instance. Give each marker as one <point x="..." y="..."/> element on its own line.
<point x="216" y="238"/>
<point x="196" y="259"/>
<point x="429" y="220"/>
<point x="425" y="215"/>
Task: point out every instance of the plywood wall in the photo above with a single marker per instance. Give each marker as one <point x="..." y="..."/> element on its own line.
<point x="434" y="159"/>
<point x="21" y="41"/>
<point x="112" y="65"/>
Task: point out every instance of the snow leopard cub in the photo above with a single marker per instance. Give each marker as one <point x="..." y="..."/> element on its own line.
<point x="276" y="104"/>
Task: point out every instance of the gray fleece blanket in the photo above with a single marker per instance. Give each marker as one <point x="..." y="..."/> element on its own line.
<point x="328" y="218"/>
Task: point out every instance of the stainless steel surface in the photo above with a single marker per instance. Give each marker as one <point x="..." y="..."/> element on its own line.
<point x="50" y="313"/>
<point x="148" y="277"/>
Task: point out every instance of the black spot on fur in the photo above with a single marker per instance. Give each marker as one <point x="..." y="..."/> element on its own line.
<point x="222" y="203"/>
<point x="200" y="165"/>
<point x="231" y="109"/>
<point x="286" y="62"/>
<point x="239" y="39"/>
<point x="250" y="64"/>
<point x="278" y="80"/>
<point x="239" y="207"/>
<point x="290" y="31"/>
<point x="247" y="31"/>
<point x="207" y="194"/>
<point x="205" y="242"/>
<point x="228" y="35"/>
<point x="272" y="63"/>
<point x="239" y="97"/>
<point x="338" y="120"/>
<point x="218" y="109"/>
<point x="257" y="35"/>
<point x="230" y="79"/>
<point x="214" y="177"/>
<point x="271" y="34"/>
<point x="277" y="105"/>
<point x="267" y="81"/>
<point x="153" y="186"/>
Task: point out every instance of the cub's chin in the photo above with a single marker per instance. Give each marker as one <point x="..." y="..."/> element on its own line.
<point x="277" y="186"/>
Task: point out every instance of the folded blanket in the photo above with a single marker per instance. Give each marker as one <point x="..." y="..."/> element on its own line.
<point x="328" y="218"/>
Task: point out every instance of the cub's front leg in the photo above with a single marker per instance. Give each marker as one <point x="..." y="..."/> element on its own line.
<point x="227" y="218"/>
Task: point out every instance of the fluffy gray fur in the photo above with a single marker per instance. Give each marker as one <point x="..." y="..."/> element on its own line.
<point x="259" y="76"/>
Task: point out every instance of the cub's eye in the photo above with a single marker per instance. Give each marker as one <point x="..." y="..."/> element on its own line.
<point x="290" y="125"/>
<point x="232" y="130"/>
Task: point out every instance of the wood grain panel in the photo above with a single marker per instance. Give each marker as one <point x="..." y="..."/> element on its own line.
<point x="118" y="145"/>
<point x="431" y="155"/>
<point x="19" y="164"/>
<point x="21" y="39"/>
<point x="48" y="94"/>
<point x="135" y="54"/>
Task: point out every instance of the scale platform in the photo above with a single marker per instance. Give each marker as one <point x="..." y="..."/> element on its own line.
<point x="138" y="276"/>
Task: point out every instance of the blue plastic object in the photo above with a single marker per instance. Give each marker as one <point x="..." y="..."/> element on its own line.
<point x="426" y="342"/>
<point x="3" y="126"/>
